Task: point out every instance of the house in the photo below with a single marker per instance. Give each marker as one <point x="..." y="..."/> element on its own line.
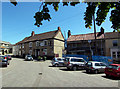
<point x="49" y="44"/>
<point x="5" y="47"/>
<point x="108" y="44"/>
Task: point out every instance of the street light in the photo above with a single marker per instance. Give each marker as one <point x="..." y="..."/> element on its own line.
<point x="89" y="41"/>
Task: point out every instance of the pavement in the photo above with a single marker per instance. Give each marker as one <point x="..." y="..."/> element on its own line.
<point x="22" y="73"/>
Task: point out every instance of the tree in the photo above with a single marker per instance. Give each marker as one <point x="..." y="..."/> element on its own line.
<point x="102" y="11"/>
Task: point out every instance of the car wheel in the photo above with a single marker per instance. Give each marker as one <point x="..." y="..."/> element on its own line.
<point x="56" y="65"/>
<point x="107" y="75"/>
<point x="87" y="71"/>
<point x="74" y="68"/>
<point x="96" y="71"/>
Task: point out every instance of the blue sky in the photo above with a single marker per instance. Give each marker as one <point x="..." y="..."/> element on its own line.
<point x="18" y="21"/>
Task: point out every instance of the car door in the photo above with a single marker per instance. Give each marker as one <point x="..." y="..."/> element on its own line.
<point x="98" y="67"/>
<point x="103" y="66"/>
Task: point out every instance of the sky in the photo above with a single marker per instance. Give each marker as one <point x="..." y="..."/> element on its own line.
<point x="18" y="21"/>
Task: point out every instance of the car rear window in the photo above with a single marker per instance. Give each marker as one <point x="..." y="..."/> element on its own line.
<point x="77" y="60"/>
<point x="89" y="64"/>
<point x="113" y="67"/>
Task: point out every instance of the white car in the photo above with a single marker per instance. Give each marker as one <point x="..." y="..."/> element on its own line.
<point x="75" y="63"/>
<point x="28" y="58"/>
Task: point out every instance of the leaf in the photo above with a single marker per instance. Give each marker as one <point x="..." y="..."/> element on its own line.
<point x="14" y="2"/>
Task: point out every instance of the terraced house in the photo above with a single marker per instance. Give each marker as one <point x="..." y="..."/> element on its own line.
<point x="50" y="44"/>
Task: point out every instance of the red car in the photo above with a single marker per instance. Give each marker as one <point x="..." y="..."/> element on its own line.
<point x="113" y="70"/>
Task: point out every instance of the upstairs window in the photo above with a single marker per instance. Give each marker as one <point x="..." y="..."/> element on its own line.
<point x="37" y="43"/>
<point x="115" y="43"/>
<point x="45" y="43"/>
<point x="22" y="45"/>
<point x="30" y="44"/>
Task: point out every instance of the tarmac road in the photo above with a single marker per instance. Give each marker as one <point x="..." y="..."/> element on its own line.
<point x="22" y="73"/>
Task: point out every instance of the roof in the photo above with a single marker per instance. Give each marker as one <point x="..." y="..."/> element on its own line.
<point x="42" y="36"/>
<point x="116" y="64"/>
<point x="4" y="42"/>
<point x="90" y="36"/>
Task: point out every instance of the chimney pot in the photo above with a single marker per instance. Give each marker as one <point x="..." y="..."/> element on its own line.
<point x="69" y="33"/>
<point x="33" y="33"/>
<point x="59" y="28"/>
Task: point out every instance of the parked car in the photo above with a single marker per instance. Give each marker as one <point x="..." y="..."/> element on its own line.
<point x="58" y="61"/>
<point x="113" y="70"/>
<point x="28" y="58"/>
<point x="95" y="67"/>
<point x="3" y="61"/>
<point x="74" y="63"/>
<point x="8" y="57"/>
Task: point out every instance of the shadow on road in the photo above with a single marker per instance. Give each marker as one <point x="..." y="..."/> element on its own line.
<point x="91" y="73"/>
<point x="70" y="70"/>
<point x="56" y="66"/>
<point x="112" y="78"/>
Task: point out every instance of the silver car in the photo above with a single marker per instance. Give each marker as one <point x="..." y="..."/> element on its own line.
<point x="74" y="63"/>
<point x="57" y="62"/>
<point x="94" y="66"/>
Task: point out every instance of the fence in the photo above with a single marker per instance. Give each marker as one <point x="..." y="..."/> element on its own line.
<point x="105" y="59"/>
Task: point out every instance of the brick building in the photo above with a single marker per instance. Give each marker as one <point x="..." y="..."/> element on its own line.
<point x="50" y="44"/>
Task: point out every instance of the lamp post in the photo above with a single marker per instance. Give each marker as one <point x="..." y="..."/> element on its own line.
<point x="89" y="41"/>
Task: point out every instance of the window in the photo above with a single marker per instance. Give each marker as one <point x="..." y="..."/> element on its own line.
<point x="30" y="52"/>
<point x="102" y="64"/>
<point x="50" y="43"/>
<point x="118" y="54"/>
<point x="114" y="54"/>
<point x="45" y="43"/>
<point x="37" y="43"/>
<point x="30" y="44"/>
<point x="115" y="43"/>
<point x="97" y="64"/>
<point x="76" y="60"/>
<point x="22" y="45"/>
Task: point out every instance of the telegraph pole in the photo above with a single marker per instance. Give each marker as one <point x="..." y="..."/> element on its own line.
<point x="95" y="34"/>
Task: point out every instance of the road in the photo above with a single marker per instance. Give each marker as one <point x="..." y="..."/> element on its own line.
<point x="22" y="73"/>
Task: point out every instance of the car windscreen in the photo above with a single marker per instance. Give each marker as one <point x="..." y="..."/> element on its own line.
<point x="29" y="56"/>
<point x="113" y="66"/>
<point x="67" y="59"/>
<point x="76" y="60"/>
<point x="2" y="57"/>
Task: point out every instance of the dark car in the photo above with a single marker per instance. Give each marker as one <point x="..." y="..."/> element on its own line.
<point x="113" y="70"/>
<point x="8" y="57"/>
<point x="3" y="61"/>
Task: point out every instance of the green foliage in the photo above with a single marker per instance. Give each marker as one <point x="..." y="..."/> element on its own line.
<point x="90" y="10"/>
<point x="103" y="9"/>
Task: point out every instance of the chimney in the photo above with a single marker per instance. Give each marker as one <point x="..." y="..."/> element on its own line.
<point x="69" y="33"/>
<point x="33" y="33"/>
<point x="59" y="28"/>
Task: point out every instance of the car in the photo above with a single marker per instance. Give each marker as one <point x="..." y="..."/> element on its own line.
<point x="8" y="57"/>
<point x="74" y="63"/>
<point x="95" y="67"/>
<point x="3" y="61"/>
<point x="28" y="58"/>
<point x="113" y="70"/>
<point x="57" y="61"/>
